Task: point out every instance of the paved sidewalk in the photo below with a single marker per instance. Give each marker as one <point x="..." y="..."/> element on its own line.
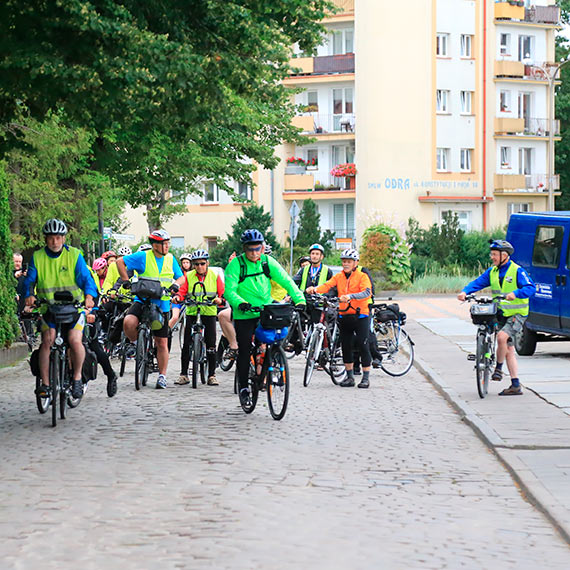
<point x="529" y="434"/>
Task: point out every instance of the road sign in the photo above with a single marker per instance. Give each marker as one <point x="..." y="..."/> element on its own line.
<point x="293" y="229"/>
<point x="107" y="232"/>
<point x="123" y="237"/>
<point x="294" y="209"/>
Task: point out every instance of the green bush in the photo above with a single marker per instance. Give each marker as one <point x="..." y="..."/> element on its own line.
<point x="8" y="323"/>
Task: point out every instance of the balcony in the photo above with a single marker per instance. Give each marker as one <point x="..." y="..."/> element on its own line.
<point x="527" y="183"/>
<point x="344" y="6"/>
<point x="304" y="64"/>
<point x="506" y="11"/>
<point x="507" y="68"/>
<point x="296" y="182"/>
<point x="540" y="127"/>
<point x="505" y="125"/>
<point x="318" y="124"/>
<point x="323" y="65"/>
<point x="321" y="185"/>
<point x="542" y="15"/>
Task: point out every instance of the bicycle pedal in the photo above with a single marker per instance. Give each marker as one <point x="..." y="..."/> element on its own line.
<point x="471" y="357"/>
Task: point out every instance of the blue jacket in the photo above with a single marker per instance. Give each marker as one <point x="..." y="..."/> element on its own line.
<point x="526" y="286"/>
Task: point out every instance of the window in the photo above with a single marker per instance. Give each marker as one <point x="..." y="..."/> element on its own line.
<point x="211" y="242"/>
<point x="244" y="190"/>
<point x="466" y="45"/>
<point x="442" y="101"/>
<point x="547" y="246"/>
<point x="465" y="159"/>
<point x="177" y="197"/>
<point x="343" y="220"/>
<point x="466" y="102"/>
<point x="342" y="41"/>
<point x="441" y="44"/>
<point x="442" y="159"/>
<point x="312" y="102"/>
<point x="505" y="157"/>
<point x="525" y="160"/>
<point x="211" y="192"/>
<point x="343" y="104"/>
<point x="505" y="101"/>
<point x="463" y="217"/>
<point x="349" y="41"/>
<point x="517" y="207"/>
<point x="312" y="158"/>
<point x="526" y="50"/>
<point x="177" y="242"/>
<point x="505" y="44"/>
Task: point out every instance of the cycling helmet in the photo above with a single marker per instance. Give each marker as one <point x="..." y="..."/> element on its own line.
<point x="200" y="254"/>
<point x="187" y="256"/>
<point x="54" y="227"/>
<point x="144" y="247"/>
<point x="304" y="259"/>
<point x="268" y="249"/>
<point x="501" y="245"/>
<point x="158" y="236"/>
<point x="108" y="254"/>
<point x="252" y="236"/>
<point x="125" y="250"/>
<point x="317" y="246"/>
<point x="350" y="254"/>
<point x="99" y="263"/>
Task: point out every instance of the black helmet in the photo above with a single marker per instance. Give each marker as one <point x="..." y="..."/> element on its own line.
<point x="501" y="245"/>
<point x="251" y="236"/>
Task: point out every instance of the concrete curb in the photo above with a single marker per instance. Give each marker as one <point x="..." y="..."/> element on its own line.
<point x="532" y="488"/>
<point x="10" y="356"/>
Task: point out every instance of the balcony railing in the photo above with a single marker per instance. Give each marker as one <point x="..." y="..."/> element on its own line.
<point x="506" y="11"/>
<point x="542" y="14"/>
<point x="540" y="127"/>
<point x="315" y="179"/>
<point x="525" y="182"/>
<point x="323" y="123"/>
<point x="342" y="63"/>
<point x="344" y="6"/>
<point x="533" y="71"/>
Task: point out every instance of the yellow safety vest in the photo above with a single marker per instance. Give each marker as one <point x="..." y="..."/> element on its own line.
<point x="211" y="286"/>
<point x="516" y="306"/>
<point x="57" y="274"/>
<point x="166" y="276"/>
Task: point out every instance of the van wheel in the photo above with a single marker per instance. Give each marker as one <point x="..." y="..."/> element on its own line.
<point x="525" y="343"/>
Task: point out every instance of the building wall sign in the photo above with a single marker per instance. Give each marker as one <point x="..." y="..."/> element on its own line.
<point x="407" y="183"/>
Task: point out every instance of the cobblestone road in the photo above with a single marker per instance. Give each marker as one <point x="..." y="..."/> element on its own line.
<point x="181" y="478"/>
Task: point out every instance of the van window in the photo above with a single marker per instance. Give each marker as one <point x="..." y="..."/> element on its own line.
<point x="547" y="246"/>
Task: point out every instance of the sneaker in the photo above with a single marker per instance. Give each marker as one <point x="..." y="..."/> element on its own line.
<point x="43" y="391"/>
<point x="212" y="381"/>
<point x="232" y="353"/>
<point x="497" y="375"/>
<point x="245" y="397"/>
<point x="511" y="391"/>
<point x="364" y="383"/>
<point x="112" y="385"/>
<point x="161" y="382"/>
<point x="77" y="389"/>
<point x="182" y="379"/>
<point x="347" y="383"/>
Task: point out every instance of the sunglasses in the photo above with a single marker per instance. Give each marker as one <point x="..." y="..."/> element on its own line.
<point x="199" y="263"/>
<point x="258" y="248"/>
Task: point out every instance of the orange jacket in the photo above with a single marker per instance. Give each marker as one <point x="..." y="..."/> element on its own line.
<point x="357" y="282"/>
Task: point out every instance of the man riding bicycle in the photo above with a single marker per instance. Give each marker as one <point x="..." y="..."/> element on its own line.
<point x="214" y="289"/>
<point x="56" y="268"/>
<point x="248" y="283"/>
<point x="510" y="279"/>
<point x="316" y="273"/>
<point x="155" y="263"/>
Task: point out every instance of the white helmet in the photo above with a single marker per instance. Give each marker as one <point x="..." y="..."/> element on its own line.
<point x="350" y="254"/>
<point x="125" y="250"/>
<point x="200" y="254"/>
<point x="54" y="227"/>
<point x="144" y="247"/>
<point x="187" y="256"/>
<point x="268" y="248"/>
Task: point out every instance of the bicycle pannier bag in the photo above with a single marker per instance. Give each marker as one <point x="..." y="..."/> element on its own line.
<point x="483" y="313"/>
<point x="116" y="329"/>
<point x="89" y="370"/>
<point x="276" y="316"/>
<point x="147" y="288"/>
<point x="35" y="363"/>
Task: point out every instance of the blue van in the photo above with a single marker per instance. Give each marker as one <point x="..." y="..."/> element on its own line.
<point x="541" y="242"/>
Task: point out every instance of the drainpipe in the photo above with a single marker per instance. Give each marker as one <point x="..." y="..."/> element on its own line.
<point x="271" y="184"/>
<point x="484" y="204"/>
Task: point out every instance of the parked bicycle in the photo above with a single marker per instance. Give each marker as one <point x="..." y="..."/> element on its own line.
<point x="28" y="322"/>
<point x="269" y="369"/>
<point x="485" y="313"/>
<point x="394" y="344"/>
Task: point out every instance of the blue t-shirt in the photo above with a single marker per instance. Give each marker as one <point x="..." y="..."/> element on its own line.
<point x="137" y="262"/>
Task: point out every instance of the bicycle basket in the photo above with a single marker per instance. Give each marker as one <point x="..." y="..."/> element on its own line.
<point x="147" y="288"/>
<point x="269" y="336"/>
<point x="276" y="315"/>
<point x="62" y="314"/>
<point x="483" y="313"/>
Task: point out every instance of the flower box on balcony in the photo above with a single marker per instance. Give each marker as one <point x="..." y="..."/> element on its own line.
<point x="295" y="169"/>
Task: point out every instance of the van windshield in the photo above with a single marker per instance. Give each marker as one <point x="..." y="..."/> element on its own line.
<point x="547" y="246"/>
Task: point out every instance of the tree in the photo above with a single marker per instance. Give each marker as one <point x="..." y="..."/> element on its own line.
<point x="175" y="92"/>
<point x="310" y="228"/>
<point x="253" y="216"/>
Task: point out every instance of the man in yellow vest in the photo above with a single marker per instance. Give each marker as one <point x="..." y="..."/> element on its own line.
<point x="155" y="263"/>
<point x="316" y="273"/>
<point x="56" y="268"/>
<point x="214" y="288"/>
<point x="508" y="278"/>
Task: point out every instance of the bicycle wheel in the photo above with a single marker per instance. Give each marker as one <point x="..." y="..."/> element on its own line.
<point x="196" y="353"/>
<point x="141" y="364"/>
<point x="181" y="325"/>
<point x="203" y="363"/>
<point x="336" y="368"/>
<point x="123" y="354"/>
<point x="249" y="406"/>
<point x="291" y="341"/>
<point x="278" y="384"/>
<point x="54" y="384"/>
<point x="64" y="391"/>
<point x="397" y="350"/>
<point x="482" y="370"/>
<point x="313" y="354"/>
<point x="225" y="361"/>
<point x="41" y="403"/>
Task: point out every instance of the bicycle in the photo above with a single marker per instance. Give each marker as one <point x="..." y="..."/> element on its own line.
<point x="485" y="314"/>
<point x="197" y="342"/>
<point x="394" y="343"/>
<point x="297" y="337"/>
<point x="28" y="321"/>
<point x="62" y="311"/>
<point x="226" y="356"/>
<point x="323" y="343"/>
<point x="269" y="358"/>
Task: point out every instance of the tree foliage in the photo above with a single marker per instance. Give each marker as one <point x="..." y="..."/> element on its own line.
<point x="310" y="229"/>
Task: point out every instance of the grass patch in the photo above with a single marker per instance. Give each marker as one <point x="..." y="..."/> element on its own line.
<point x="438" y="283"/>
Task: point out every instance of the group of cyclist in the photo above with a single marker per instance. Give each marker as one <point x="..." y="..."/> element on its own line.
<point x="253" y="279"/>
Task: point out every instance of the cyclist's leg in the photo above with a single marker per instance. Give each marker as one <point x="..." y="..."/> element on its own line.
<point x="346" y="331"/>
<point x="48" y="338"/>
<point x="244" y="331"/>
<point x="161" y="343"/>
<point x="131" y="321"/>
<point x="77" y="350"/>
<point x="175" y="315"/>
<point x="210" y="338"/>
<point x="227" y="326"/>
<point x="186" y="345"/>
<point x="102" y="356"/>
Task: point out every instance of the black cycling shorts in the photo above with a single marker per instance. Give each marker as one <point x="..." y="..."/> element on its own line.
<point x="136" y="310"/>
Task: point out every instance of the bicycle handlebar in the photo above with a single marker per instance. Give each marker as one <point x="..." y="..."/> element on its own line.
<point x="484" y="299"/>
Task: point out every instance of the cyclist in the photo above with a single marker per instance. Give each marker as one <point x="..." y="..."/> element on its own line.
<point x="59" y="267"/>
<point x="155" y="263"/>
<point x="113" y="279"/>
<point x="510" y="279"/>
<point x="354" y="291"/>
<point x="185" y="265"/>
<point x="248" y="283"/>
<point x="98" y="272"/>
<point x="304" y="261"/>
<point x="278" y="293"/>
<point x="214" y="286"/>
<point x="316" y="273"/>
<point x="109" y="256"/>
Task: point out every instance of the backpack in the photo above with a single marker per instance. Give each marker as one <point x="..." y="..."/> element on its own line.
<point x="243" y="269"/>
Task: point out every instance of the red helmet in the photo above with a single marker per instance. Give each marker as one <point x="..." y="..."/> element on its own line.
<point x="108" y="254"/>
<point x="158" y="236"/>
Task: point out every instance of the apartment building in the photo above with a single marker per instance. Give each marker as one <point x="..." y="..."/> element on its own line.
<point x="442" y="105"/>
